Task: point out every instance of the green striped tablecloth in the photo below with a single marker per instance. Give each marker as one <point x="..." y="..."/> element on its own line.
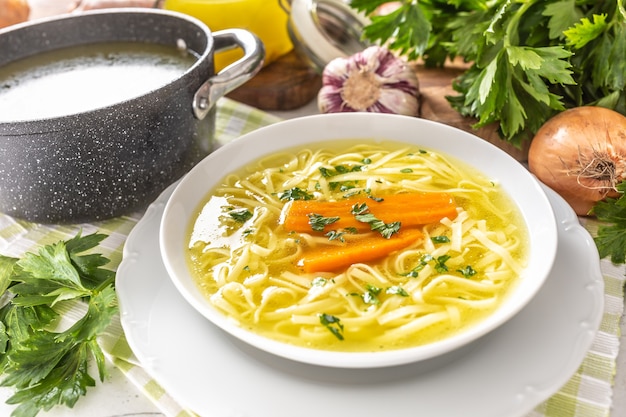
<point x="587" y="394"/>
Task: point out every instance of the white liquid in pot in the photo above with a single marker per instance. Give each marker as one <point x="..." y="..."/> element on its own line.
<point x="82" y="78"/>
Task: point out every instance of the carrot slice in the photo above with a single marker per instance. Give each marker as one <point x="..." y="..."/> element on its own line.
<point x="330" y="258"/>
<point x="411" y="209"/>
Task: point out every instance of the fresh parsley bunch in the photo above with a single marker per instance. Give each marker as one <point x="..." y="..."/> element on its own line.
<point x="46" y="367"/>
<point x="611" y="236"/>
<point x="529" y="59"/>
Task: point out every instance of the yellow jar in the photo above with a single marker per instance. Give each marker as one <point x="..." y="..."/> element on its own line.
<point x="264" y="18"/>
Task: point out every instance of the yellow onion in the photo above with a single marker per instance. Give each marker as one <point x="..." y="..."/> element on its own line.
<point x="581" y="154"/>
<point x="373" y="80"/>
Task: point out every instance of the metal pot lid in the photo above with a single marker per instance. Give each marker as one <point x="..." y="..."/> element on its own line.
<point x="322" y="30"/>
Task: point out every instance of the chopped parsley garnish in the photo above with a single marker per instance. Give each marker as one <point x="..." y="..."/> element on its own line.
<point x="352" y="193"/>
<point x="397" y="290"/>
<point x="422" y="263"/>
<point x="338" y="170"/>
<point x="333" y="324"/>
<point x="370" y="296"/>
<point x="413" y="273"/>
<point x="338" y="234"/>
<point x="406" y="170"/>
<point x="440" y="263"/>
<point x="467" y="272"/>
<point x="440" y="239"/>
<point x="343" y="186"/>
<point x="335" y="235"/>
<point x="318" y="222"/>
<point x="295" y="193"/>
<point x="319" y="282"/>
<point x="385" y="229"/>
<point x="358" y="209"/>
<point x="326" y="173"/>
<point x="361" y="213"/>
<point x="240" y="215"/>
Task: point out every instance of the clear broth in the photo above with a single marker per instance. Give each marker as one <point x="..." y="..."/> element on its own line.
<point x="83" y="78"/>
<point x="216" y="243"/>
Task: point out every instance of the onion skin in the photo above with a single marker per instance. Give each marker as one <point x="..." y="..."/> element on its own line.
<point x="581" y="154"/>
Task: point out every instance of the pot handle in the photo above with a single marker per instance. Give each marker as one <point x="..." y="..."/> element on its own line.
<point x="234" y="74"/>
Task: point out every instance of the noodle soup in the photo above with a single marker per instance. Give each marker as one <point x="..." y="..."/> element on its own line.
<point x="374" y="276"/>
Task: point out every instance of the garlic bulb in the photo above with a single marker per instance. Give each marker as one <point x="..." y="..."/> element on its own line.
<point x="373" y="80"/>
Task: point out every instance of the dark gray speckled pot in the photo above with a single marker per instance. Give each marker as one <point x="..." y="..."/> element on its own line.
<point x="114" y="160"/>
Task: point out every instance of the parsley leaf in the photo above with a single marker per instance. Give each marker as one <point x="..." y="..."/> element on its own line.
<point x="359" y="209"/>
<point x="440" y="239"/>
<point x="295" y="193"/>
<point x="467" y="272"/>
<point x="562" y="15"/>
<point x="240" y="215"/>
<point x="319" y="222"/>
<point x="585" y="31"/>
<point x="370" y="296"/>
<point x="48" y="368"/>
<point x="335" y="235"/>
<point x="386" y="229"/>
<point x="440" y="263"/>
<point x="361" y="213"/>
<point x="333" y="324"/>
<point x="421" y="264"/>
<point x="611" y="236"/>
<point x="397" y="290"/>
<point x="407" y="28"/>
<point x="338" y="234"/>
<point x="338" y="170"/>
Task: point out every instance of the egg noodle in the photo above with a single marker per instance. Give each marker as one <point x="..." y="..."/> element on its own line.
<point x="247" y="265"/>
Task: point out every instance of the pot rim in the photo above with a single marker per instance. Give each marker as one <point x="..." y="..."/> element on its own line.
<point x="67" y="121"/>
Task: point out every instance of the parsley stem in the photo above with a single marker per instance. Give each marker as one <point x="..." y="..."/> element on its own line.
<point x="104" y="284"/>
<point x="511" y="36"/>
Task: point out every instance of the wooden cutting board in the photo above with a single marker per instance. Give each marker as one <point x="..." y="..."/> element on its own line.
<point x="285" y="84"/>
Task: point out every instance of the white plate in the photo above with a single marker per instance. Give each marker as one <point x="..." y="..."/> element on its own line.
<point x="505" y="374"/>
